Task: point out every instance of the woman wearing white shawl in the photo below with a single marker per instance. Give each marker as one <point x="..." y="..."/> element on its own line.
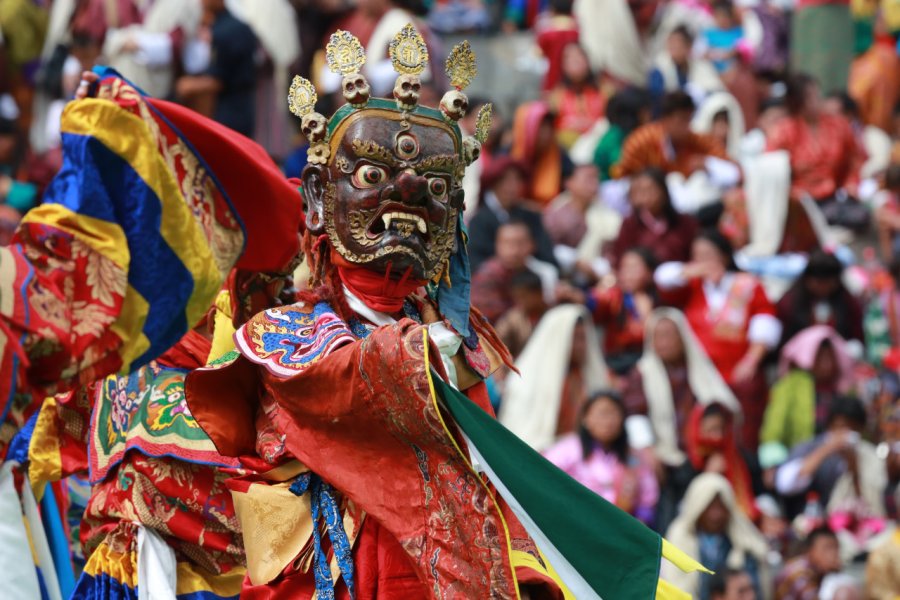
<point x="704" y="380"/>
<point x="704" y="119"/>
<point x="746" y="541"/>
<point x="532" y="400"/>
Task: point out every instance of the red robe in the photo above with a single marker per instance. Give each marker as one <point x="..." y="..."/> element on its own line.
<point x="360" y="414"/>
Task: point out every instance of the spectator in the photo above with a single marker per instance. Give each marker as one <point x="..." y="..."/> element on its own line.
<point x="528" y="307"/>
<point x="819" y="297"/>
<point x="887" y="215"/>
<point x="554" y="31"/>
<point x="881" y="324"/>
<point x="842" y="469"/>
<point x="225" y="91"/>
<point x="713" y="529"/>
<point x="801" y="577"/>
<point x="579" y="225"/>
<point x="668" y="144"/>
<point x="654" y="222"/>
<point x="825" y="155"/>
<point x="732" y="317"/>
<point x="20" y="195"/>
<point x="559" y="369"/>
<point x="711" y="448"/>
<point x="672" y="377"/>
<point x="599" y="457"/>
<point x="534" y="144"/>
<point x="578" y="101"/>
<point x="822" y="41"/>
<point x="677" y="69"/>
<point x="732" y="584"/>
<point x="491" y="291"/>
<point x="720" y="117"/>
<point x="721" y="40"/>
<point x="504" y="184"/>
<point x="815" y="368"/>
<point x="626" y="111"/>
<point x="875" y="80"/>
<point x="623" y="308"/>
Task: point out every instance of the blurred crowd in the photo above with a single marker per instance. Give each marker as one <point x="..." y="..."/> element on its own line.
<point x="688" y="235"/>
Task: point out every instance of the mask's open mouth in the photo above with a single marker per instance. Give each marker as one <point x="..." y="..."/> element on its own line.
<point x="399" y="219"/>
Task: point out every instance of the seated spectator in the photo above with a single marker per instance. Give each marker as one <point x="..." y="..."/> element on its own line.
<point x="555" y="30"/>
<point x="712" y="528"/>
<point x="626" y="111"/>
<point x="875" y="80"/>
<point x="456" y="16"/>
<point x="578" y="100"/>
<point x="732" y="584"/>
<point x="721" y="40"/>
<point x="503" y="183"/>
<point x="623" y="308"/>
<point x="226" y="90"/>
<point x="881" y="320"/>
<point x="814" y="369"/>
<point x="677" y="69"/>
<point x="654" y="222"/>
<point x="720" y="117"/>
<point x="491" y="290"/>
<point x="580" y="225"/>
<point x="559" y="369"/>
<point x="819" y="297"/>
<point x="668" y="144"/>
<point x="842" y="469"/>
<point x="732" y="317"/>
<point x="711" y="448"/>
<point x="599" y="457"/>
<point x="801" y="577"/>
<point x="534" y="144"/>
<point x="672" y="377"/>
<point x="825" y="155"/>
<point x="528" y="307"/>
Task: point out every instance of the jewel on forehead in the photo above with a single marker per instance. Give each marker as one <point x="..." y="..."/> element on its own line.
<point x="344" y="54"/>
<point x="407" y="146"/>
<point x="408" y="51"/>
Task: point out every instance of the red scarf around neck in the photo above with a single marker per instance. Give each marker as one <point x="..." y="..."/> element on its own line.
<point x="384" y="292"/>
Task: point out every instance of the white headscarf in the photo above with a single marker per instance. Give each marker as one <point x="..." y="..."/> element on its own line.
<point x="530" y="407"/>
<point x="704" y="379"/>
<point x="745" y="538"/>
<point x="706" y="113"/>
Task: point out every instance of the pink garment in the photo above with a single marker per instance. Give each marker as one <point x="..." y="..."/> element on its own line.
<point x="801" y="351"/>
<point x="602" y="473"/>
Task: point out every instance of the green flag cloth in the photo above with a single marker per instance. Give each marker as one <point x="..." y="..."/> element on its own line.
<point x="598" y="550"/>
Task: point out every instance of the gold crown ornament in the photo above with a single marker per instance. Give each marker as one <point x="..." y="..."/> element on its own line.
<point x="345" y="56"/>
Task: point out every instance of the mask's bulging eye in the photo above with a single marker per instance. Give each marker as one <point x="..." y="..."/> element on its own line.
<point x="407" y="147"/>
<point x="367" y="176"/>
<point x="437" y="186"/>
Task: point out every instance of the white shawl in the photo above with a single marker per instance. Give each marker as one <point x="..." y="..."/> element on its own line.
<point x="745" y="538"/>
<point x="767" y="188"/>
<point x="531" y="401"/>
<point x="711" y="106"/>
<point x="611" y="39"/>
<point x="706" y="384"/>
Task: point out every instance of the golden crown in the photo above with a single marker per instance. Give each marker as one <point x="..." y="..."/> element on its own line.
<point x="345" y="56"/>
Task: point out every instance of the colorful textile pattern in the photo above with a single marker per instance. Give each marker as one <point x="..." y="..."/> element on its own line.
<point x="597" y="549"/>
<point x="129" y="176"/>
<point x="187" y="505"/>
<point x="147" y="412"/>
<point x="289" y="339"/>
<point x="111" y="573"/>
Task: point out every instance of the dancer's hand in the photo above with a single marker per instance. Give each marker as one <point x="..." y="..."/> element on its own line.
<point x="88" y="78"/>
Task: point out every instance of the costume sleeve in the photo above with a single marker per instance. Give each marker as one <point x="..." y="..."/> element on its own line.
<point x="127" y="252"/>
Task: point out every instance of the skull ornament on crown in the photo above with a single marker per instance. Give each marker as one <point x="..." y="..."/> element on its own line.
<point x="384" y="179"/>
